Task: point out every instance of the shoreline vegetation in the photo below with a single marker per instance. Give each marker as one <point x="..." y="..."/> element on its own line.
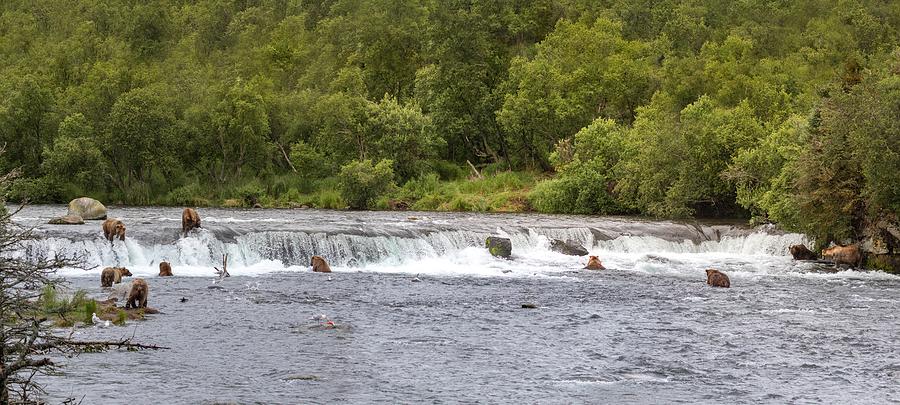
<point x="776" y="113"/>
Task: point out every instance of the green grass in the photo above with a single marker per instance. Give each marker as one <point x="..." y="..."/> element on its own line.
<point x="500" y="192"/>
<point x="65" y="310"/>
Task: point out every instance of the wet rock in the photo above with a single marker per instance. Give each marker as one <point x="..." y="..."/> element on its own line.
<point x="301" y="378"/>
<point x="499" y="247"/>
<point x="67" y="220"/>
<point x="801" y="252"/>
<point x="87" y="208"/>
<point x="568" y="247"/>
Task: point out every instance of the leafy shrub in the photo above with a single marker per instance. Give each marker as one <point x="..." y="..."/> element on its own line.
<point x="36" y="191"/>
<point x="191" y="194"/>
<point x="250" y="192"/>
<point x="361" y="183"/>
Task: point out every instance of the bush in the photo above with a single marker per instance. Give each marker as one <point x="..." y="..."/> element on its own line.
<point x="250" y="192"/>
<point x="35" y="191"/>
<point x="187" y="195"/>
<point x="361" y="183"/>
<point x="579" y="191"/>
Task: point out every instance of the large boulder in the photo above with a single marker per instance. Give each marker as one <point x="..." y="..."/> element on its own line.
<point x="87" y="208"/>
<point x="568" y="247"/>
<point x="499" y="247"/>
<point x="67" y="220"/>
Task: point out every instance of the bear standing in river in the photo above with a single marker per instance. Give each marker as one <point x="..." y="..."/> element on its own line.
<point x="113" y="228"/>
<point x="137" y="298"/>
<point x="165" y="269"/>
<point x="113" y="275"/>
<point x="849" y="255"/>
<point x="319" y="265"/>
<point x="190" y="219"/>
<point x="594" y="264"/>
<point x="716" y="278"/>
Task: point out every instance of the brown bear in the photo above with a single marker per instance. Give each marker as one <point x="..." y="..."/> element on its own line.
<point x="113" y="228"/>
<point x="189" y="220"/>
<point x="849" y="255"/>
<point x="716" y="278"/>
<point x="113" y="275"/>
<point x="319" y="265"/>
<point x="801" y="252"/>
<point x="594" y="264"/>
<point x="137" y="298"/>
<point x="165" y="269"/>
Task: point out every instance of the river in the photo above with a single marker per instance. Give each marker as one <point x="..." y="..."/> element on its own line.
<point x="423" y="313"/>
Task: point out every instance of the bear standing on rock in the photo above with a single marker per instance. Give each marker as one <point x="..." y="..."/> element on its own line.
<point x="716" y="278"/>
<point x="190" y="219"/>
<point x="113" y="275"/>
<point x="319" y="265"/>
<point x="113" y="228"/>
<point x="137" y="298"/>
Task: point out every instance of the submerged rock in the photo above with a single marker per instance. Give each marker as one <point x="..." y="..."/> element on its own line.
<point x="87" y="208"/>
<point x="499" y="247"/>
<point x="568" y="247"/>
<point x="801" y="252"/>
<point x="67" y="220"/>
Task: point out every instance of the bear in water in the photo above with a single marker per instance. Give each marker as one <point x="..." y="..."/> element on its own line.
<point x="849" y="255"/>
<point x="319" y="265"/>
<point x="113" y="275"/>
<point x="189" y="220"/>
<point x="801" y="252"/>
<point x="137" y="298"/>
<point x="716" y="278"/>
<point x="165" y="269"/>
<point x="113" y="228"/>
<point x="594" y="264"/>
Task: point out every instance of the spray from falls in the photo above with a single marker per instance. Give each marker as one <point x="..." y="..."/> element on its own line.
<point x="267" y="251"/>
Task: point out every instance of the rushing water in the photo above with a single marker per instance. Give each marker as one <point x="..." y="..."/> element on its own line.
<point x="647" y="330"/>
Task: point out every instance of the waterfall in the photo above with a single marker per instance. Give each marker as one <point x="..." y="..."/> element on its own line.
<point x="266" y="251"/>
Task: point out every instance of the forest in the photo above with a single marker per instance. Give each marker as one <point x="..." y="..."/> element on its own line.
<point x="774" y="111"/>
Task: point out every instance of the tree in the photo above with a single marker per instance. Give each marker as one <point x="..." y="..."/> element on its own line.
<point x="26" y="337"/>
<point x="139" y="141"/>
<point x="362" y="183"/>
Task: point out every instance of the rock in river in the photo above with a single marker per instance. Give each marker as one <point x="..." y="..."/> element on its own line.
<point x="87" y="208"/>
<point x="67" y="220"/>
<point x="499" y="247"/>
<point x="568" y="247"/>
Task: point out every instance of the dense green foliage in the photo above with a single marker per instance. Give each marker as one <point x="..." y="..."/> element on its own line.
<point x="783" y="111"/>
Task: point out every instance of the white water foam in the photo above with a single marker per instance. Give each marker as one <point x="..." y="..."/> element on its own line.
<point x="441" y="253"/>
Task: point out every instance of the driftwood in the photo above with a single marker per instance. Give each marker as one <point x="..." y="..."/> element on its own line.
<point x="224" y="272"/>
<point x="477" y="173"/>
